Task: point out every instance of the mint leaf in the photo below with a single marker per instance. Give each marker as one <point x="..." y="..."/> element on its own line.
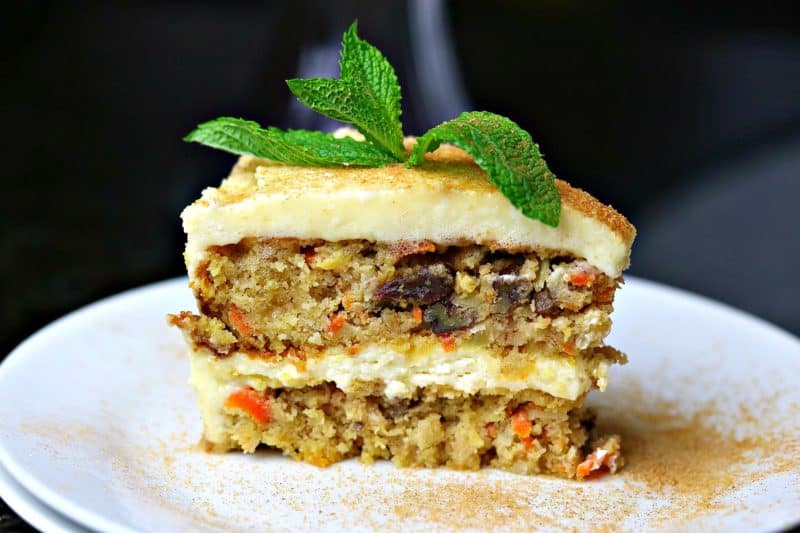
<point x="367" y="95"/>
<point x="295" y="147"/>
<point x="365" y="66"/>
<point x="508" y="155"/>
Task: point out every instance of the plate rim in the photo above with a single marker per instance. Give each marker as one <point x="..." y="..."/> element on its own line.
<point x="85" y="517"/>
<point x="32" y="510"/>
<point x="93" y="519"/>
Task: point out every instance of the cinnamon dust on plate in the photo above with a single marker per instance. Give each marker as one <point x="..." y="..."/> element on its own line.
<point x="682" y="465"/>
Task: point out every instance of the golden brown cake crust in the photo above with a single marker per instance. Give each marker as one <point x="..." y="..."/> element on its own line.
<point x="590" y="206"/>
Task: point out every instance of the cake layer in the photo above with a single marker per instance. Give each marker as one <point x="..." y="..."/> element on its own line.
<point x="275" y="294"/>
<point x="527" y="432"/>
<point x="448" y="200"/>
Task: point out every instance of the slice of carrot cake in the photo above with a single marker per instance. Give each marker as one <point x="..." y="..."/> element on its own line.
<point x="415" y="312"/>
<point x="411" y="314"/>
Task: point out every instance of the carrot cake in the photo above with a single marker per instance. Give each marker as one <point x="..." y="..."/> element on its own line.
<point x="410" y="314"/>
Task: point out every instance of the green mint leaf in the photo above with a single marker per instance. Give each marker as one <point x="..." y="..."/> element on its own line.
<point x="295" y="147"/>
<point x="363" y="64"/>
<point x="508" y="155"/>
<point x="367" y="95"/>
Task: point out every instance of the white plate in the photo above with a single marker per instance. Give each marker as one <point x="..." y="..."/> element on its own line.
<point x="96" y="419"/>
<point x="32" y="510"/>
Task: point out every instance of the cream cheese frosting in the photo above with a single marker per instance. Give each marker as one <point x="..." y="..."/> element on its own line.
<point x="469" y="369"/>
<point x="448" y="200"/>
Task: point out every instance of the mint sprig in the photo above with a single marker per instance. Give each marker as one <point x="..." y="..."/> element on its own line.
<point x="508" y="155"/>
<point x="296" y="147"/>
<point x="367" y="95"/>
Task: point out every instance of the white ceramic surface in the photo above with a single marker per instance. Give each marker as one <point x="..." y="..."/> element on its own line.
<point x="96" y="419"/>
<point x="32" y="510"/>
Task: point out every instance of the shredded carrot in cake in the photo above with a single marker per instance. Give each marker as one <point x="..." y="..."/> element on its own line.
<point x="595" y="461"/>
<point x="448" y="343"/>
<point x="521" y="423"/>
<point x="239" y="320"/>
<point x="582" y="278"/>
<point x="337" y="322"/>
<point x="252" y="402"/>
<point x="568" y="347"/>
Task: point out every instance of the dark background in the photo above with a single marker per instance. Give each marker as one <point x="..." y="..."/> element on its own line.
<point x="685" y="117"/>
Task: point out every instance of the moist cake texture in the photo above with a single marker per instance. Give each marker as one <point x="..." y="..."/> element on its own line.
<point x="341" y="317"/>
<point x="293" y="293"/>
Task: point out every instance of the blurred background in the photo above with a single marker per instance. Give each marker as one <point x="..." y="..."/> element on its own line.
<point x="685" y="117"/>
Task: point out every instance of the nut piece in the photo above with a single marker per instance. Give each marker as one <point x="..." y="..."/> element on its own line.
<point x="544" y="304"/>
<point x="443" y="318"/>
<point x="510" y="291"/>
<point x="423" y="286"/>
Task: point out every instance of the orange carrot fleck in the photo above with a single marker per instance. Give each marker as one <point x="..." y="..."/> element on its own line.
<point x="252" y="402"/>
<point x="416" y="312"/>
<point x="582" y="278"/>
<point x="568" y="347"/>
<point x="520" y="423"/>
<point x="239" y="320"/>
<point x="527" y="442"/>
<point x="448" y="343"/>
<point x="594" y="462"/>
<point x="354" y="349"/>
<point x="337" y="322"/>
<point x="588" y="466"/>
